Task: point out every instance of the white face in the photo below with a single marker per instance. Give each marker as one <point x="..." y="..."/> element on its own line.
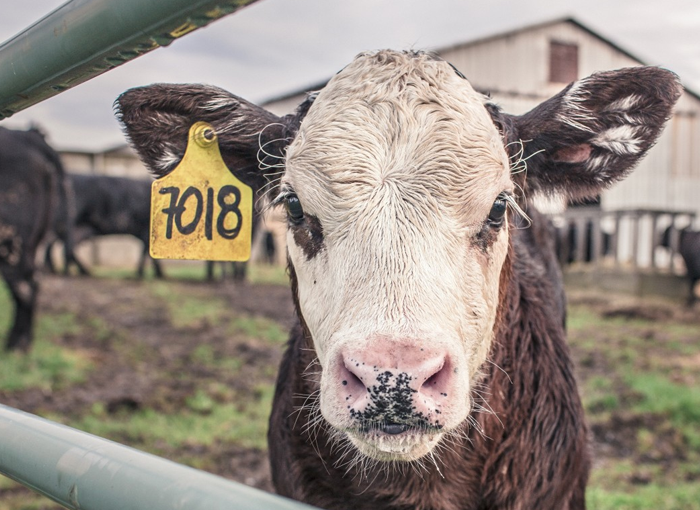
<point x="397" y="167"/>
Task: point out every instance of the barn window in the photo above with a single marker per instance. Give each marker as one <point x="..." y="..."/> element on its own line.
<point x="563" y="62"/>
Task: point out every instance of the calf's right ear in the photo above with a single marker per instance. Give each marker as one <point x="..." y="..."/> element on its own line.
<point x="595" y="131"/>
<point x="157" y="119"/>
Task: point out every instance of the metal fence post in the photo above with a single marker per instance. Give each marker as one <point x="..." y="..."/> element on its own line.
<point x="86" y="472"/>
<point x="85" y="38"/>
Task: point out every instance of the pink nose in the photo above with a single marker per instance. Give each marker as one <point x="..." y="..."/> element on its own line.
<point x="395" y="386"/>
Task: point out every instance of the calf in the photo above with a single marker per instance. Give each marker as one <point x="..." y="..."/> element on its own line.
<point x="689" y="249"/>
<point x="105" y="205"/>
<point x="31" y="178"/>
<point x="429" y="367"/>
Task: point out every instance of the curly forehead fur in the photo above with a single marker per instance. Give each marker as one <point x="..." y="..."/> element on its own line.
<point x="399" y="120"/>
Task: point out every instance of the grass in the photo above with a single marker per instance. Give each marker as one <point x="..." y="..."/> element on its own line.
<point x="639" y="380"/>
<point x="269" y="275"/>
<point x="186" y="309"/>
<point x="219" y="409"/>
<point x="201" y="422"/>
<point x="23" y="501"/>
<point x="658" y="395"/>
<point x="258" y="327"/>
<point x="196" y="271"/>
<point x="640" y="387"/>
<point x="682" y="496"/>
<point x="49" y="366"/>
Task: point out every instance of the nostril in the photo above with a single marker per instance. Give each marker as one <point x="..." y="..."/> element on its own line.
<point x="437" y="382"/>
<point x="432" y="380"/>
<point x="351" y="382"/>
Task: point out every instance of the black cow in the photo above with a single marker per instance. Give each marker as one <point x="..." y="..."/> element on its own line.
<point x="689" y="249"/>
<point x="31" y="179"/>
<point x="239" y="270"/>
<point x="105" y="205"/>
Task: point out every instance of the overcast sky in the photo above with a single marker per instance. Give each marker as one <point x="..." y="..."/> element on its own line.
<point x="275" y="46"/>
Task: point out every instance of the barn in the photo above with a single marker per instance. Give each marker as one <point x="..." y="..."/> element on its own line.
<point x="519" y="69"/>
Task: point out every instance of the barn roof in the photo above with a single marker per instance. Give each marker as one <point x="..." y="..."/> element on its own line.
<point x="536" y="26"/>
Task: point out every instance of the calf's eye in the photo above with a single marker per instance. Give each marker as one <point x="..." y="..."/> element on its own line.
<point x="498" y="211"/>
<point x="294" y="209"/>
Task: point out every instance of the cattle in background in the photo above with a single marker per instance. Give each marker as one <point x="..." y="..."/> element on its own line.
<point x="106" y="205"/>
<point x="239" y="270"/>
<point x="689" y="249"/>
<point x="567" y="239"/>
<point x="31" y="180"/>
<point x="269" y="248"/>
<point x="429" y="367"/>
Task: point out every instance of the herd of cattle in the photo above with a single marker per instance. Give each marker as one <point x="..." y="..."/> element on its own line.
<point x="40" y="203"/>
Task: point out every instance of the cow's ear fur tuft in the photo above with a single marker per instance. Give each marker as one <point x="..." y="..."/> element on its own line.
<point x="157" y="119"/>
<point x="593" y="132"/>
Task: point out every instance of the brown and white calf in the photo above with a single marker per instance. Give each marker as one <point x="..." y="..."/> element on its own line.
<point x="429" y="367"/>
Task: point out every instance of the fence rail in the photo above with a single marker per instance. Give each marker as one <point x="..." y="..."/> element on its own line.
<point x="82" y="471"/>
<point x="85" y="38"/>
<point x="591" y="235"/>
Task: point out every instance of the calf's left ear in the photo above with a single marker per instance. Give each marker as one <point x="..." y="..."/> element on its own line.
<point x="157" y="119"/>
<point x="593" y="132"/>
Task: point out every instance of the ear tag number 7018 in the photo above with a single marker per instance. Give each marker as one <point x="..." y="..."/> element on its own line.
<point x="200" y="210"/>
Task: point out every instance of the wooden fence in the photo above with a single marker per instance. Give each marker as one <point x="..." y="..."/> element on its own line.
<point x="630" y="238"/>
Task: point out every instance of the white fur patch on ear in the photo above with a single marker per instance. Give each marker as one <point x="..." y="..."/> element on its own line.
<point x="620" y="140"/>
<point x="217" y="102"/>
<point x="167" y="159"/>
<point x="599" y="164"/>
<point x="233" y="123"/>
<point x="624" y="104"/>
<point x="576" y="114"/>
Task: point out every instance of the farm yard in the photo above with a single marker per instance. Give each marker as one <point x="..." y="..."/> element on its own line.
<point x="185" y="369"/>
<point x="387" y="173"/>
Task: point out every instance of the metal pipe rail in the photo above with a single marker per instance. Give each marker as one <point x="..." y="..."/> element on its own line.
<point x="82" y="471"/>
<point x="85" y="38"/>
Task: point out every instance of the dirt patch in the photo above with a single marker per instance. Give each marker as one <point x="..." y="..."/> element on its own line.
<point x="142" y="361"/>
<point x="649" y="313"/>
<point x="629" y="307"/>
<point x="637" y="363"/>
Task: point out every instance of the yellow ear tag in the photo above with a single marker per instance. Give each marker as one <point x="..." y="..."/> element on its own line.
<point x="201" y="211"/>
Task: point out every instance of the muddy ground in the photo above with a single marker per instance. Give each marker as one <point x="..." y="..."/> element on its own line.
<point x="145" y="358"/>
<point x="144" y="361"/>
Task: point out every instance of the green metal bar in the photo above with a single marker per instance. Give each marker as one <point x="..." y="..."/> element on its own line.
<point x="85" y="38"/>
<point x="82" y="471"/>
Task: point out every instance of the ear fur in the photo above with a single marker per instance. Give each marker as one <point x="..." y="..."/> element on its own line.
<point x="157" y="119"/>
<point x="593" y="132"/>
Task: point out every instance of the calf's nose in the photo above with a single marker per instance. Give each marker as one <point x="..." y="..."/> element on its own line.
<point x="394" y="386"/>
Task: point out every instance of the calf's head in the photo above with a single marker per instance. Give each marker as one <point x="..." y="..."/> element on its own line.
<point x="397" y="178"/>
